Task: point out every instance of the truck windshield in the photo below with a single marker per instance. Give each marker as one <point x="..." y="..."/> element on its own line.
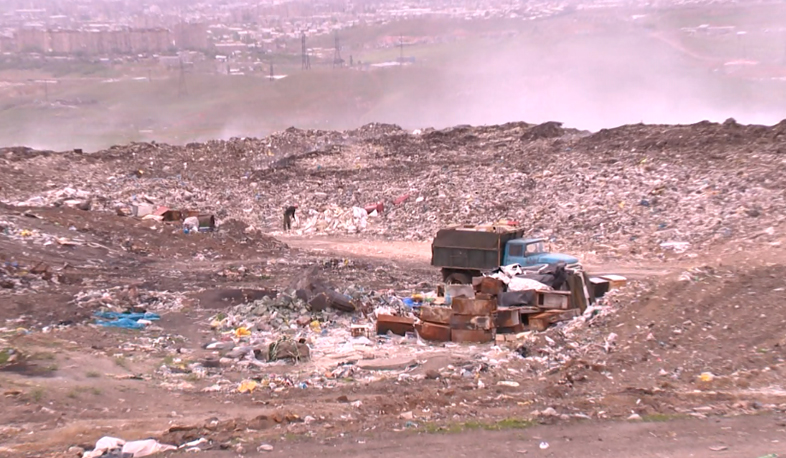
<point x="536" y="247"/>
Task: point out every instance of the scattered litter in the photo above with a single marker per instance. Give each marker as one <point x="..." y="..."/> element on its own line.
<point x="125" y="320"/>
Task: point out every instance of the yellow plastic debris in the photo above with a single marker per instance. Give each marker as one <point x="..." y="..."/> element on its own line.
<point x="247" y="386"/>
<point x="707" y="376"/>
<point x="242" y="332"/>
<point x="215" y="323"/>
<point x="315" y="326"/>
<point x="26" y="233"/>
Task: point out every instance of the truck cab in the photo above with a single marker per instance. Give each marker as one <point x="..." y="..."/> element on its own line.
<point x="532" y="252"/>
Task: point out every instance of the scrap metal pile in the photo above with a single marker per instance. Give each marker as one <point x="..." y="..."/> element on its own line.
<point x="629" y="191"/>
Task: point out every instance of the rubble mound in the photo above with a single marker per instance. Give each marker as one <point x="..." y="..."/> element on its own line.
<point x="701" y="137"/>
<point x="240" y="230"/>
<point x="20" y="153"/>
<point x="712" y="329"/>
<point x="627" y="192"/>
<point x="549" y="129"/>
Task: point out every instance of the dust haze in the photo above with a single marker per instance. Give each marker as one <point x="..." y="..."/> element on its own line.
<point x="587" y="69"/>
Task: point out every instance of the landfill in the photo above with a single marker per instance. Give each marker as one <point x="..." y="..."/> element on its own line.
<point x="628" y="191"/>
<point x="161" y="277"/>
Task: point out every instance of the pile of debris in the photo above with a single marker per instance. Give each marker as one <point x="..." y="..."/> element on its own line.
<point x="128" y="299"/>
<point x="624" y="191"/>
<point x="503" y="304"/>
<point x="17" y="276"/>
<point x="334" y="219"/>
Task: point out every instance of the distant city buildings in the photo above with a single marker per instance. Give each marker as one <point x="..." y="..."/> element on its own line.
<point x="242" y="30"/>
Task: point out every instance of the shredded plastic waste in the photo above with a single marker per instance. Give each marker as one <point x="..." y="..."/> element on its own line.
<point x="125" y="320"/>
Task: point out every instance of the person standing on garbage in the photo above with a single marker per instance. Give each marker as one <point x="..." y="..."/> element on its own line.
<point x="289" y="215"/>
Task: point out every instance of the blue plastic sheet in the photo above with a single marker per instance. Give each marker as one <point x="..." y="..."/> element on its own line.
<point x="124" y="320"/>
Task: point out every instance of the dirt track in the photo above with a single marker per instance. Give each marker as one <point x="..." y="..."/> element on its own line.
<point x="418" y="254"/>
<point x="747" y="437"/>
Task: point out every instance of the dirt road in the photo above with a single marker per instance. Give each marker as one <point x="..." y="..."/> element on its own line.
<point x="741" y="437"/>
<point x="418" y="255"/>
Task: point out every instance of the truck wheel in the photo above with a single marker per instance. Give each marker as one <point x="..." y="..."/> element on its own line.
<point x="457" y="278"/>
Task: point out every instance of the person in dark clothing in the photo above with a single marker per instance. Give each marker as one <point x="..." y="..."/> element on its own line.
<point x="289" y="215"/>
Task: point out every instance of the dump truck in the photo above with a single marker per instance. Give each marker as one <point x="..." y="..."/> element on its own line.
<point x="463" y="252"/>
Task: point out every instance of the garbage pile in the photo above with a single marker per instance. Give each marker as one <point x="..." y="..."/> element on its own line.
<point x="510" y="301"/>
<point x="114" y="447"/>
<point x="334" y="219"/>
<point x="18" y="232"/>
<point x="16" y="276"/>
<point x="630" y="191"/>
<point x="128" y="299"/>
<point x="277" y="328"/>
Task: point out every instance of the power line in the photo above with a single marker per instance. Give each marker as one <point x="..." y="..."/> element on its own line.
<point x="305" y="58"/>
<point x="337" y="60"/>
<point x="181" y="85"/>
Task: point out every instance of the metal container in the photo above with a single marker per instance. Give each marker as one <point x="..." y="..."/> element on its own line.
<point x="463" y="335"/>
<point x="396" y="324"/>
<point x="433" y="332"/>
<point x="478" y="306"/>
<point x="470" y="322"/>
<point x="507" y="318"/>
<point x="434" y="314"/>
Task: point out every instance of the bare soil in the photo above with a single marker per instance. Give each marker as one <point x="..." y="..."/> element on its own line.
<point x="82" y="382"/>
<point x="739" y="437"/>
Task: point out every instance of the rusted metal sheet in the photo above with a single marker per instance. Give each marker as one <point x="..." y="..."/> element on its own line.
<point x="541" y="321"/>
<point x="167" y="214"/>
<point x="396" y="324"/>
<point x="433" y="314"/>
<point x="506" y="318"/>
<point x="433" y="332"/>
<point x="485" y="322"/>
<point x="477" y="306"/>
<point x="480" y="336"/>
<point x="488" y="285"/>
<point x="559" y="300"/>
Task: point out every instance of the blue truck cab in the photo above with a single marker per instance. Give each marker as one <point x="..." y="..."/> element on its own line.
<point x="532" y="252"/>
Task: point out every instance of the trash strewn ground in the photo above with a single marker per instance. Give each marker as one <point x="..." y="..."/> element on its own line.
<point x="217" y="335"/>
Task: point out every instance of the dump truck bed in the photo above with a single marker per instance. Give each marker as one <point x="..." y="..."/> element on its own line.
<point x="471" y="247"/>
